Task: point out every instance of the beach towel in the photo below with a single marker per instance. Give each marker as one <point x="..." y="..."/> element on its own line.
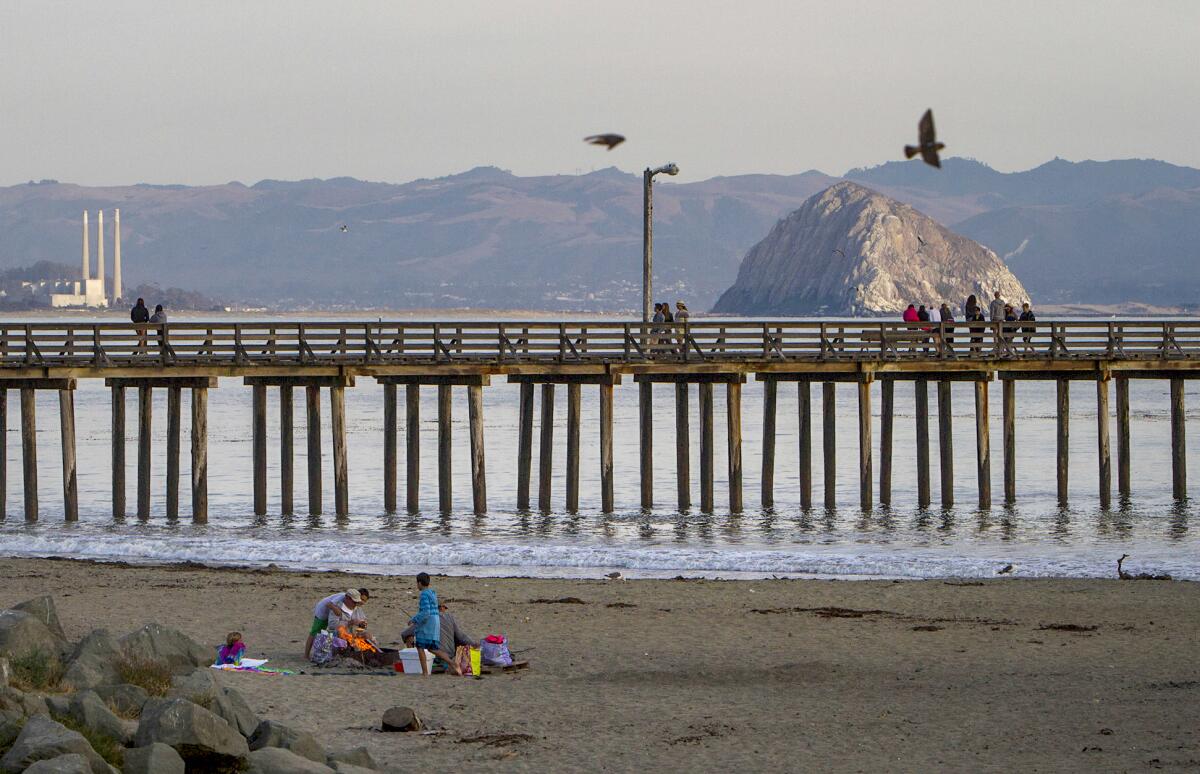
<point x="495" y="650"/>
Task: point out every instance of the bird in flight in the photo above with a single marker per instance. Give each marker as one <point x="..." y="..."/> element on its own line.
<point x="927" y="146"/>
<point x="839" y="252"/>
<point x="345" y="228"/>
<point x="919" y="239"/>
<point x="610" y="140"/>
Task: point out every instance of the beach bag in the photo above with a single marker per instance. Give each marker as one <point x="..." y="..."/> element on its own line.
<point x="495" y="650"/>
<point x="322" y="649"/>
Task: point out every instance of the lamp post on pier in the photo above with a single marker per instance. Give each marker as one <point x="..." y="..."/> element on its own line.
<point x="648" y="233"/>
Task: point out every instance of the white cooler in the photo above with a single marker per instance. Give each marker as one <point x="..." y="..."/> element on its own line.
<point x="412" y="662"/>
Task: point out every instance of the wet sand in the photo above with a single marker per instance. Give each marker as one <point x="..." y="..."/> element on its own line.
<point x="1014" y="675"/>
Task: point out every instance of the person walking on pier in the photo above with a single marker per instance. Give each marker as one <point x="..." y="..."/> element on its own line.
<point x="947" y="317"/>
<point x="970" y="308"/>
<point x="996" y="309"/>
<point x="681" y="318"/>
<point x="1027" y="316"/>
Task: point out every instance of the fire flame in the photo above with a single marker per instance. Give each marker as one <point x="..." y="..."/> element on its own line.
<point x="357" y="641"/>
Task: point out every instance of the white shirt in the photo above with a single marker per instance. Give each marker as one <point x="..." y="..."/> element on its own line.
<point x="337" y="600"/>
<point x="935" y="314"/>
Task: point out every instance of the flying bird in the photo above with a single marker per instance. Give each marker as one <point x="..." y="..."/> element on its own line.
<point x="919" y="239"/>
<point x="839" y="252"/>
<point x="610" y="140"/>
<point x="928" y="145"/>
<point x="345" y="228"/>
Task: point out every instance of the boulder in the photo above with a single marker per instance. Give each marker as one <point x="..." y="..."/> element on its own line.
<point x="153" y="759"/>
<point x="90" y="711"/>
<point x="44" y="739"/>
<point x="276" y="760"/>
<point x="25" y="704"/>
<point x="22" y="633"/>
<point x="127" y="699"/>
<point x="401" y="719"/>
<point x="203" y="740"/>
<point x="93" y="663"/>
<point x="43" y="609"/>
<point x="58" y="705"/>
<point x="355" y="756"/>
<point x="201" y="686"/>
<point x="5" y="672"/>
<point x="271" y="733"/>
<point x="72" y="763"/>
<point x="162" y="643"/>
<point x="350" y="768"/>
<point x="10" y="727"/>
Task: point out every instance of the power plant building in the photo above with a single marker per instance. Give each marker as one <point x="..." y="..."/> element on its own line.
<point x="91" y="291"/>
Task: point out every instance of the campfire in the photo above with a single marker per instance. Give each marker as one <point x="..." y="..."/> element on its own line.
<point x="361" y="648"/>
<point x="358" y="642"/>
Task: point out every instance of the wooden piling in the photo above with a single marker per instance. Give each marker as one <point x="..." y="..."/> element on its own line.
<point x="287" y="443"/>
<point x="3" y="453"/>
<point x="524" y="446"/>
<point x="946" y="441"/>
<point x="1102" y="444"/>
<point x="118" y="452"/>
<point x="1123" y="452"/>
<point x="768" y="443"/>
<point x="200" y="455"/>
<point x="606" y="448"/>
<point x="805" y="435"/>
<point x="1063" y="438"/>
<point x="1009" y="401"/>
<point x="259" y="446"/>
<point x="921" y="401"/>
<point x="646" y="442"/>
<point x="546" y="448"/>
<point x="312" y="405"/>
<point x="683" y="450"/>
<point x="866" y="498"/>
<point x="412" y="458"/>
<point x="574" y="408"/>
<point x="706" y="446"/>
<point x="341" y="466"/>
<point x="1178" y="442"/>
<point x="66" y="419"/>
<point x="390" y="427"/>
<point x="29" y="451"/>
<point x="145" y="424"/>
<point x="983" y="444"/>
<point x="478" y="463"/>
<point x="733" y="415"/>
<point x="887" y="393"/>
<point x="174" y="411"/>
<point x="445" y="446"/>
<point x="829" y="441"/>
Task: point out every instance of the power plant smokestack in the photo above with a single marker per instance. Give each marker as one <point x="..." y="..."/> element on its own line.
<point x="87" y="258"/>
<point x="117" y="258"/>
<point x="100" y="249"/>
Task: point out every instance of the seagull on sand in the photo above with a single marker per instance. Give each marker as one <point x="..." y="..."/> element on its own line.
<point x="927" y="146"/>
<point x="610" y="140"/>
<point x="613" y="575"/>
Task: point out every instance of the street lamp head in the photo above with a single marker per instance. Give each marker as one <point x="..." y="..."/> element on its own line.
<point x="670" y="169"/>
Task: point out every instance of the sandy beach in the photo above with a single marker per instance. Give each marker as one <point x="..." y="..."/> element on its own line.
<point x="1014" y="675"/>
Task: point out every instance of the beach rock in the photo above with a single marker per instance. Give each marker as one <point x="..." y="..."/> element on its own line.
<point x="203" y="740"/>
<point x="25" y="704"/>
<point x="22" y="633"/>
<point x="72" y="763"/>
<point x="93" y="663"/>
<point x="43" y="739"/>
<point x="58" y="705"/>
<point x="350" y="768"/>
<point x="162" y="643"/>
<point x="125" y="698"/>
<point x="10" y="727"/>
<point x="401" y="719"/>
<point x="43" y="609"/>
<point x="156" y="758"/>
<point x="850" y="250"/>
<point x="5" y="672"/>
<point x="90" y="711"/>
<point x="201" y="686"/>
<point x="271" y="733"/>
<point x="355" y="756"/>
<point x="276" y="760"/>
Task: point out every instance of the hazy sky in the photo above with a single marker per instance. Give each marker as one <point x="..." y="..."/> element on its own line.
<point x="167" y="91"/>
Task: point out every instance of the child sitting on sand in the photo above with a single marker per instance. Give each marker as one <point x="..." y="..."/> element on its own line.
<point x="233" y="649"/>
<point x="428" y="626"/>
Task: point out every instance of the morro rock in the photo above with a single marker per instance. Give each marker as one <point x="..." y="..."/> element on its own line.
<point x="851" y="251"/>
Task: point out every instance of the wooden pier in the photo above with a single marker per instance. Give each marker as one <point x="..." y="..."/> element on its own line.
<point x="275" y="357"/>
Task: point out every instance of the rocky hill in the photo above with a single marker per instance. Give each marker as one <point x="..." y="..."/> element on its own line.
<point x="850" y="251"/>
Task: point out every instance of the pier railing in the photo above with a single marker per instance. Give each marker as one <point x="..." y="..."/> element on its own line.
<point x="345" y="343"/>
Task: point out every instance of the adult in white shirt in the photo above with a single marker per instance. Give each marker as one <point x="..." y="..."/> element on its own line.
<point x="336" y="607"/>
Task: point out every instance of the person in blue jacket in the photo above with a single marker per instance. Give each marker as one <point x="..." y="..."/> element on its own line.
<point x="429" y="626"/>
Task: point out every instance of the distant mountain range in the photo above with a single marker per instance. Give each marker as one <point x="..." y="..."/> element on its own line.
<point x="1072" y="232"/>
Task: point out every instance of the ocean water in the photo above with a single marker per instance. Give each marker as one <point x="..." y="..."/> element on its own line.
<point x="1036" y="536"/>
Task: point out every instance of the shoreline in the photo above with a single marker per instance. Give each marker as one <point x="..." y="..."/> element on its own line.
<point x="766" y="675"/>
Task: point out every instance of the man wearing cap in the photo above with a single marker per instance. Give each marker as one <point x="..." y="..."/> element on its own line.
<point x="340" y="605"/>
